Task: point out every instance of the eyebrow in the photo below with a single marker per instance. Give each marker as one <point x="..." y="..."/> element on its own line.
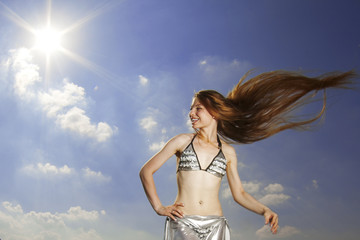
<point x="196" y="105"/>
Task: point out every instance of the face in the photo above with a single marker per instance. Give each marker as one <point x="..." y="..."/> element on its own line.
<point x="199" y="116"/>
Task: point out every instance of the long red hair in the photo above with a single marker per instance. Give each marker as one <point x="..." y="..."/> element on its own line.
<point x="260" y="107"/>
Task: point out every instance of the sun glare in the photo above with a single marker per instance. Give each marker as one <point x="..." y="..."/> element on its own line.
<point x="48" y="40"/>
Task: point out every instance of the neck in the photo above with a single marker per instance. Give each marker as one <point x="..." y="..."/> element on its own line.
<point x="208" y="135"/>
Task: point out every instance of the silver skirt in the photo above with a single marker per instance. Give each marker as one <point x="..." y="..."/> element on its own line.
<point x="197" y="228"/>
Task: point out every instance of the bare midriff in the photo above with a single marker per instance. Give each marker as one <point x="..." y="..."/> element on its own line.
<point x="199" y="192"/>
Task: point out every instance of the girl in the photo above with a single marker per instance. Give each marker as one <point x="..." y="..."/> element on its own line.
<point x="252" y="111"/>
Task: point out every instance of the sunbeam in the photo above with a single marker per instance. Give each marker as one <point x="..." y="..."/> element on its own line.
<point x="10" y="14"/>
<point x="48" y="13"/>
<point x="96" y="12"/>
<point x="98" y="70"/>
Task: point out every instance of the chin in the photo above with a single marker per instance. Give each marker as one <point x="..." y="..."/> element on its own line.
<point x="195" y="128"/>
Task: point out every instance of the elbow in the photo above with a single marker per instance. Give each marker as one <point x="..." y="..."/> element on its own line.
<point x="144" y="173"/>
<point x="239" y="196"/>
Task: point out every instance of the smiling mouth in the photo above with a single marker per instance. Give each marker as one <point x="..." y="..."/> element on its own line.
<point x="194" y="120"/>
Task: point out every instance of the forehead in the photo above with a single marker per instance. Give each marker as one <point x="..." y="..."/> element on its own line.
<point x="195" y="102"/>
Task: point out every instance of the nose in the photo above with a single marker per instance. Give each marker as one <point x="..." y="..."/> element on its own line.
<point x="192" y="112"/>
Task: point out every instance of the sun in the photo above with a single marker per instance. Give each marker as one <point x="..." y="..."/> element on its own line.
<point x="48" y="40"/>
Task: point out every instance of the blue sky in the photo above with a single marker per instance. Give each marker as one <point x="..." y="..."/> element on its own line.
<point x="78" y="124"/>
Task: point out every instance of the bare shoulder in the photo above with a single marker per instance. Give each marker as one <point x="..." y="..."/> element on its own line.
<point x="229" y="151"/>
<point x="227" y="147"/>
<point x="181" y="140"/>
<point x="183" y="137"/>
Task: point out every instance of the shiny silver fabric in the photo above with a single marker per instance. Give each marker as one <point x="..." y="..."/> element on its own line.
<point x="190" y="162"/>
<point x="197" y="228"/>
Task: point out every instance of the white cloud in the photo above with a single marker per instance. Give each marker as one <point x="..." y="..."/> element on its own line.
<point x="273" y="193"/>
<point x="57" y="100"/>
<point x="77" y="213"/>
<point x="283" y="232"/>
<point x="216" y="68"/>
<point x="203" y="62"/>
<point x="189" y="124"/>
<point x="12" y="209"/>
<point x="95" y="176"/>
<point x="274" y="188"/>
<point x="148" y="123"/>
<point x="26" y="74"/>
<point x="226" y="193"/>
<point x="47" y="170"/>
<point x="157" y="146"/>
<point x="65" y="104"/>
<point x="251" y="187"/>
<point x="143" y="80"/>
<point x="77" y="121"/>
<point x="315" y="184"/>
<point x="20" y="225"/>
<point x="241" y="164"/>
<point x="274" y="199"/>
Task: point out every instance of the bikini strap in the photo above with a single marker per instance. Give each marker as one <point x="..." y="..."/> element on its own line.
<point x="193" y="138"/>
<point x="219" y="142"/>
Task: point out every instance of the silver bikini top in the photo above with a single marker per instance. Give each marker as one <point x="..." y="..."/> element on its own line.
<point x="190" y="162"/>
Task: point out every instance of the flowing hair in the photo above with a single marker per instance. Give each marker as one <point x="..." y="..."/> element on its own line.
<point x="262" y="106"/>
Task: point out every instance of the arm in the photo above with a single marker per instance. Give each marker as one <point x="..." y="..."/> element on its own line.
<point x="245" y="199"/>
<point x="147" y="179"/>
